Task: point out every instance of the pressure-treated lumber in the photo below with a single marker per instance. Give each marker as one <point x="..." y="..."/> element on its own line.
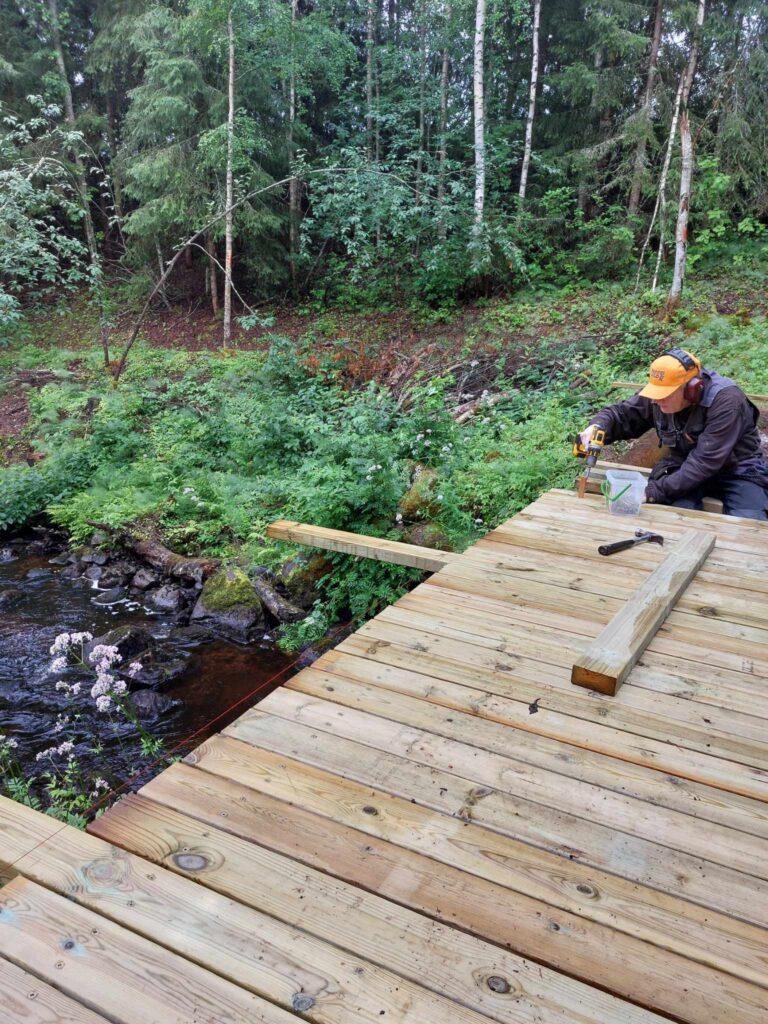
<point x="427" y="559"/>
<point x="682" y="988"/>
<point x="609" y="659"/>
<point x="244" y="944"/>
<point x="130" y="979"/>
<point x="27" y="1000"/>
<point x="408" y="944"/>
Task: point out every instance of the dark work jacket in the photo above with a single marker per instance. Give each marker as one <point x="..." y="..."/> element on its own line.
<point x="718" y="435"/>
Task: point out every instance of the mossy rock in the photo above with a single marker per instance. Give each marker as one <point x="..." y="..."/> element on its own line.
<point x="228" y="589"/>
<point x="230" y="606"/>
<point x="428" y="535"/>
<point x="420" y="500"/>
<point x="301" y="575"/>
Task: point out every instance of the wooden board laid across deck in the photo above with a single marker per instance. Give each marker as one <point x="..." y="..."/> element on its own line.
<point x="431" y="824"/>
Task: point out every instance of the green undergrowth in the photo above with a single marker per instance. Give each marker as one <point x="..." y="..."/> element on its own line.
<point x="206" y="449"/>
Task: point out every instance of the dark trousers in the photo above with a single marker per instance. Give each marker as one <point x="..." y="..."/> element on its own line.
<point x="739" y="497"/>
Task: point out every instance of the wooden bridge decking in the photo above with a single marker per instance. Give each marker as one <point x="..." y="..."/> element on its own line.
<point x="432" y="825"/>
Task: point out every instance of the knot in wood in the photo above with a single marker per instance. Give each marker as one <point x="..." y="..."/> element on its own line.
<point x="301" y="1002"/>
<point x="190" y="861"/>
<point x="369" y="809"/>
<point x="498" y="984"/>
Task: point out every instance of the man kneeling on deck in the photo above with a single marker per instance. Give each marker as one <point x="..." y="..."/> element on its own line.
<point x="710" y="427"/>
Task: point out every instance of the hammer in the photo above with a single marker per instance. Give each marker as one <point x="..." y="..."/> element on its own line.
<point x="641" y="537"/>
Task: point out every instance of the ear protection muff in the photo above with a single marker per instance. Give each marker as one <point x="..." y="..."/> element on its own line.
<point x="694" y="388"/>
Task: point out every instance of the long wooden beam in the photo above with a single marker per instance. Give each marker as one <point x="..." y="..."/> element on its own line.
<point x="757" y="399"/>
<point x="611" y="656"/>
<point x="426" y="559"/>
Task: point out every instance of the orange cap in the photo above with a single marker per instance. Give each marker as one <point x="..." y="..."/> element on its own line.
<point x="667" y="374"/>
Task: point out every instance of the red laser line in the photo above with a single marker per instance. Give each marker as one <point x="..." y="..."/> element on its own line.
<point x="113" y="792"/>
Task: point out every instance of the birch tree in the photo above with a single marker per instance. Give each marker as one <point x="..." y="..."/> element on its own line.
<point x="227" y="332"/>
<point x="442" y="155"/>
<point x="686" y="167"/>
<point x="369" y="43"/>
<point x="293" y="187"/>
<point x="80" y="179"/>
<point x="479" y="116"/>
<point x="650" y="82"/>
<point x="531" y="100"/>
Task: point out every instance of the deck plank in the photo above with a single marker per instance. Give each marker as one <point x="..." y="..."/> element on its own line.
<point x="114" y="971"/>
<point x="428" y="953"/>
<point x="559" y="882"/>
<point x="470" y="790"/>
<point x="682" y="988"/>
<point x="27" y="1000"/>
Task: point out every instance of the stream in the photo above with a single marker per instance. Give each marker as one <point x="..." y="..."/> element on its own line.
<point x="217" y="674"/>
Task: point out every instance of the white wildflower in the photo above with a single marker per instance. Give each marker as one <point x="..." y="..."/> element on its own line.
<point x="134" y="668"/>
<point x="475" y="362"/>
<point x="119" y="686"/>
<point x="58" y="664"/>
<point x="61" y="644"/>
<point x="399" y="517"/>
<point x="369" y="477"/>
<point x="478" y="522"/>
<point x="103" y="703"/>
<point x="103" y="655"/>
<point x="101" y="784"/>
<point x="75" y="689"/>
<point x="66" y="747"/>
<point x="102" y="685"/>
<point x="80" y="638"/>
<point x="61" y="722"/>
<point x="439" y="497"/>
<point x="61" y="685"/>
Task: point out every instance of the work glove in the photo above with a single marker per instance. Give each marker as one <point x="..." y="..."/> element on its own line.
<point x="653" y="493"/>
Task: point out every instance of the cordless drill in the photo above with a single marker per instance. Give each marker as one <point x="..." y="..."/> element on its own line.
<point x="590" y="453"/>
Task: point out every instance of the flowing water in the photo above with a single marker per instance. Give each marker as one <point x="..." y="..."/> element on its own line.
<point x="217" y="675"/>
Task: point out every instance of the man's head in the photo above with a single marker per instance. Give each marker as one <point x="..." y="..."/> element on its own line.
<point x="668" y="377"/>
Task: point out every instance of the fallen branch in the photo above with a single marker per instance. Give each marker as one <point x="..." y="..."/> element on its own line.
<point x="464" y="412"/>
<point x="162" y="558"/>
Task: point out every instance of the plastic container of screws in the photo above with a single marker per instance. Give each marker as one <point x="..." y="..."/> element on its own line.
<point x="624" y="492"/>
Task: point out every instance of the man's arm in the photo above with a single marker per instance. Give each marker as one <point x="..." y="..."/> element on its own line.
<point x="725" y="423"/>
<point x="625" y="420"/>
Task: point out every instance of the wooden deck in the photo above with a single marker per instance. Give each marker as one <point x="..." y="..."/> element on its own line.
<point x="433" y="825"/>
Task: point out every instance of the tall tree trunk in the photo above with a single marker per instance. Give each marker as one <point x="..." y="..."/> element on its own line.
<point x="369" y="79"/>
<point x="650" y="82"/>
<point x="686" y="172"/>
<point x="442" y="157"/>
<point x="422" y="96"/>
<point x="82" y="184"/>
<point x="161" y="267"/>
<point x="293" y="187"/>
<point x="116" y="183"/>
<point x="660" y="205"/>
<point x="227" y="333"/>
<point x="479" y="114"/>
<point x="531" y="100"/>
<point x="212" y="283"/>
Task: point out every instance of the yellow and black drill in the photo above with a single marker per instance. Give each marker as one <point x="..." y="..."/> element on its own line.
<point x="590" y="453"/>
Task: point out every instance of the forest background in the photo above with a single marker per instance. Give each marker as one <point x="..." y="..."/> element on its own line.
<point x="258" y="259"/>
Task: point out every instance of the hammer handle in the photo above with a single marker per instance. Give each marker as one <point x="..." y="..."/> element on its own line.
<point x="619" y="545"/>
